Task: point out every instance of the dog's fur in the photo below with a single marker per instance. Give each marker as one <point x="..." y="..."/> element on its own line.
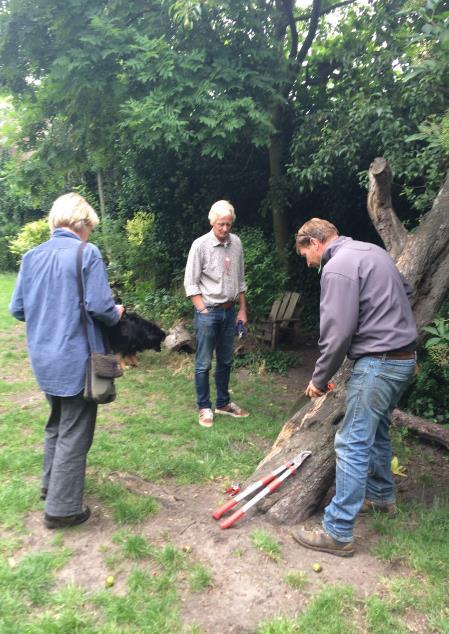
<point x="134" y="334"/>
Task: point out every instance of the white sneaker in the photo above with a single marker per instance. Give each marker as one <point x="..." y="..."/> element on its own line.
<point x="206" y="417"/>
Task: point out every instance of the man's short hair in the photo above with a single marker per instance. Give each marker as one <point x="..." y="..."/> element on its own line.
<point x="221" y="208"/>
<point x="316" y="228"/>
<point x="72" y="211"/>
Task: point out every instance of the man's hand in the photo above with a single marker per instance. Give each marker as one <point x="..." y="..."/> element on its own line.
<point x="312" y="391"/>
<point x="120" y="309"/>
<point x="242" y="316"/>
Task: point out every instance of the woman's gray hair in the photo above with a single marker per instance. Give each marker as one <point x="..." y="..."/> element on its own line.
<point x="72" y="211"/>
<point x="219" y="209"/>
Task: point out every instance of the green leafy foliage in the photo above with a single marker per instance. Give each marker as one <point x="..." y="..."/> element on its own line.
<point x="30" y="235"/>
<point x="265" y="272"/>
<point x="428" y="396"/>
<point x="260" y="361"/>
<point x="377" y="87"/>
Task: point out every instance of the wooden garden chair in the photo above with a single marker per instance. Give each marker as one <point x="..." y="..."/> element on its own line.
<point x="284" y="313"/>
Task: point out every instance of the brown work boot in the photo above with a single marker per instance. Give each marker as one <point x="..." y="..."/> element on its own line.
<point x="231" y="409"/>
<point x="206" y="417"/>
<point x="322" y="541"/>
<point x="369" y="506"/>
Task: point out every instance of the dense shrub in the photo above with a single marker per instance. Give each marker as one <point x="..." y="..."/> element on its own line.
<point x="137" y="262"/>
<point x="265" y="272"/>
<point x="7" y="232"/>
<point x="30" y="235"/>
<point x="272" y="361"/>
<point x="428" y="396"/>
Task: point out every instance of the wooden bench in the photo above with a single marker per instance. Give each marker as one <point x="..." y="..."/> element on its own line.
<point x="284" y="313"/>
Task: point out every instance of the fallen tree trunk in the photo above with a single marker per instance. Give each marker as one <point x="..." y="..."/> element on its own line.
<point x="423" y="258"/>
<point x="423" y="428"/>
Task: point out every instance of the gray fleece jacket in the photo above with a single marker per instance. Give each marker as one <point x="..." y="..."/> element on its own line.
<point x="364" y="306"/>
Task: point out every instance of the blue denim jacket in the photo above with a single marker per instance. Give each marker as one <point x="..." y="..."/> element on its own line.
<point x="46" y="297"/>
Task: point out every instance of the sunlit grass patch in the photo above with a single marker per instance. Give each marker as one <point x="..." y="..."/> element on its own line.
<point x="20" y="460"/>
<point x="9" y="544"/>
<point x="16" y="498"/>
<point x="126" y="507"/>
<point x="331" y="611"/>
<point x="420" y="538"/>
<point x="262" y="541"/>
<point x="278" y="625"/>
<point x="380" y="616"/>
<point x="32" y="577"/>
<point x="14" y="386"/>
<point x="133" y="546"/>
<point x="200" y="578"/>
<point x="296" y="579"/>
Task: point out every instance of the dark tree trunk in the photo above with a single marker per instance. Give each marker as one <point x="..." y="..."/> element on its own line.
<point x="276" y="152"/>
<point x="423" y="257"/>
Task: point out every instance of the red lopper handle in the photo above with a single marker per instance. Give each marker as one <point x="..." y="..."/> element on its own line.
<point x="234" y="517"/>
<point x="223" y="509"/>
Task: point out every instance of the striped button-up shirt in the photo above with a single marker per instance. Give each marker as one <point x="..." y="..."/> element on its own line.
<point x="215" y="270"/>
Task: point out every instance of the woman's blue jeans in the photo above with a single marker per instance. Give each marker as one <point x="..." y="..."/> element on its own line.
<point x="362" y="442"/>
<point x="214" y="331"/>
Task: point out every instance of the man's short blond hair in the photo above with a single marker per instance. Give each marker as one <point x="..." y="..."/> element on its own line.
<point x="316" y="228"/>
<point x="72" y="211"/>
<point x="221" y="208"/>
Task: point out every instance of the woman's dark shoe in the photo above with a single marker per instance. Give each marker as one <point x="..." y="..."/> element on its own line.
<point x="52" y="521"/>
<point x="44" y="492"/>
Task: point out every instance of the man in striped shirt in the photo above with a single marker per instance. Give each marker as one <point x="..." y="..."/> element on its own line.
<point x="215" y="281"/>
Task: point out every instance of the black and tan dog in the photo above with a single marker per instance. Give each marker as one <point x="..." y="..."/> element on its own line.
<point x="134" y="334"/>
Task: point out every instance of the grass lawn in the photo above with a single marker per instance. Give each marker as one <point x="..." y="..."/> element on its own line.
<point x="150" y="433"/>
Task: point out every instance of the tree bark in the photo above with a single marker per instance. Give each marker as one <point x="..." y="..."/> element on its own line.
<point x="100" y="188"/>
<point x="422" y="256"/>
<point x="284" y="22"/>
<point x="179" y="339"/>
<point x="423" y="428"/>
<point x="276" y="153"/>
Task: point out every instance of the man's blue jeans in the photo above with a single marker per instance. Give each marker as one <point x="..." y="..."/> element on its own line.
<point x="362" y="443"/>
<point x="214" y="331"/>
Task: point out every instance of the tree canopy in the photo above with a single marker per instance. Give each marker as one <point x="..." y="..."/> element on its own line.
<point x="165" y="106"/>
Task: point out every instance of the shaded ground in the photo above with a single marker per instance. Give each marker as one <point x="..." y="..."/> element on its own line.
<point x="247" y="586"/>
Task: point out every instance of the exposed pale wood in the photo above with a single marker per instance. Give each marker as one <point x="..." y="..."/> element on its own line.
<point x="380" y="208"/>
<point x="179" y="339"/>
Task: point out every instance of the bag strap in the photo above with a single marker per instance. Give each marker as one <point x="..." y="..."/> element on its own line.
<point x="79" y="277"/>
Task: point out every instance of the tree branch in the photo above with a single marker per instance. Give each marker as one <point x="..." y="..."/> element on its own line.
<point x="380" y="208"/>
<point x="424" y="428"/>
<point x="288" y="12"/>
<point x="325" y="11"/>
<point x="314" y="17"/>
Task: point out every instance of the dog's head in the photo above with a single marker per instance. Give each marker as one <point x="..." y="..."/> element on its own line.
<point x="144" y="334"/>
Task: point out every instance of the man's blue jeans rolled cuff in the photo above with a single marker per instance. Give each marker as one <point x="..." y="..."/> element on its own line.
<point x="362" y="442"/>
<point x="214" y="331"/>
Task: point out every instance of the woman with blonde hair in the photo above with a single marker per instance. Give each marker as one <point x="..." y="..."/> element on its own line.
<point x="46" y="297"/>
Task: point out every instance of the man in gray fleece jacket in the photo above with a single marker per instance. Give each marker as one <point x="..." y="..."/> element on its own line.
<point x="365" y="314"/>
